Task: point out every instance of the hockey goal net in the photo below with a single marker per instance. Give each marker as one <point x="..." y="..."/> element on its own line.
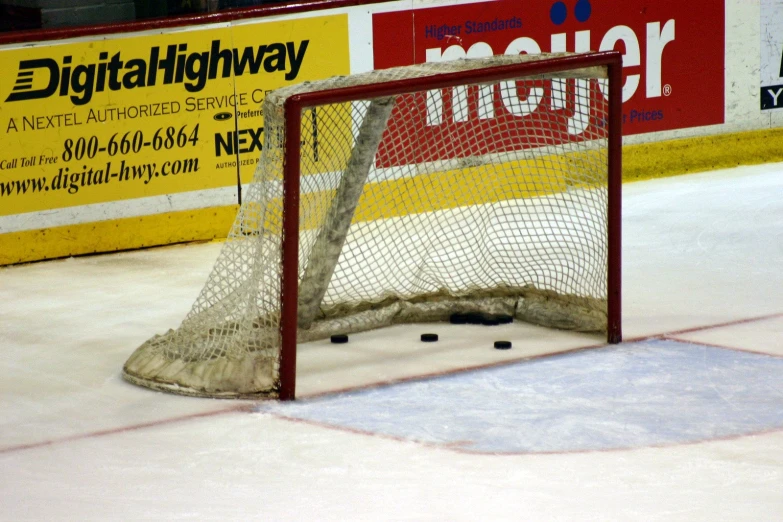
<point x="406" y="195"/>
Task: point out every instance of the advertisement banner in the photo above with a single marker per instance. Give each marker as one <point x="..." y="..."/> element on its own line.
<point x="771" y="54"/>
<point x="673" y="51"/>
<point x="117" y="119"/>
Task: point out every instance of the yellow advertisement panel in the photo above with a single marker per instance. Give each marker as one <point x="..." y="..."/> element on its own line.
<point x="117" y="119"/>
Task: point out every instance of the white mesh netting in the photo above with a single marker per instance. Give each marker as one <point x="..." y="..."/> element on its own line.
<point x="484" y="198"/>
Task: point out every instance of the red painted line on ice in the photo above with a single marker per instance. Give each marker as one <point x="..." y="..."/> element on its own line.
<point x="126" y="429"/>
<point x="736" y="322"/>
<point x="251" y="407"/>
<point x="506" y="362"/>
<point x="719" y="346"/>
<point x="445" y="373"/>
<point x="459" y="446"/>
<point x="666" y="445"/>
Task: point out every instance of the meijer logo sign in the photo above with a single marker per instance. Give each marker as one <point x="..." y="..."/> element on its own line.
<point x="673" y="56"/>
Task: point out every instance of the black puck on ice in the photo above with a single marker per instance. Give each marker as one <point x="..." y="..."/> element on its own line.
<point x="502" y="345"/>
<point x="458" y="318"/>
<point x="474" y="318"/>
<point x="339" y="339"/>
<point x="429" y="337"/>
<point x="490" y="320"/>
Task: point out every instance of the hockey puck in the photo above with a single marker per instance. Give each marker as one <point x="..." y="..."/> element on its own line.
<point x="339" y="339"/>
<point x="458" y="318"/>
<point x="429" y="337"/>
<point x="502" y="345"/>
<point x="504" y="318"/>
<point x="474" y="318"/>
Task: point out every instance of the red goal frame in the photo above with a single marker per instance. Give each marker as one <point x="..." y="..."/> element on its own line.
<point x="294" y="106"/>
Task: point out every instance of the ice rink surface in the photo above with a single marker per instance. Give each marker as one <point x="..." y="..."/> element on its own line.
<point x="683" y="421"/>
